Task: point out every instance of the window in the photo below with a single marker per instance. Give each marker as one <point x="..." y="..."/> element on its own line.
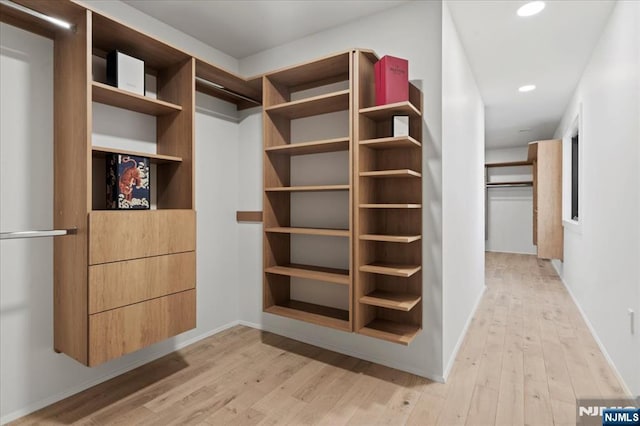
<point x="575" y="141"/>
<point x="572" y="184"/>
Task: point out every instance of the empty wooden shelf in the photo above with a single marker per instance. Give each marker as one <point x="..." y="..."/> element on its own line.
<point x="100" y="151"/>
<point x="397" y="142"/>
<point x="391" y="206"/>
<point x="322" y="104"/>
<point x="308" y="188"/>
<point x="391" y="331"/>
<point x="310" y="231"/>
<point x="383" y="112"/>
<point x="318" y="273"/>
<point x="391" y="269"/>
<point x="109" y="95"/>
<point x="391" y="238"/>
<point x="402" y="173"/>
<point x="316" y="314"/>
<point x="386" y="299"/>
<point x="314" y="147"/>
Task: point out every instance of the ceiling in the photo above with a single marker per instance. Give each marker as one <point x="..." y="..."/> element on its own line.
<point x="506" y="51"/>
<point x="243" y="27"/>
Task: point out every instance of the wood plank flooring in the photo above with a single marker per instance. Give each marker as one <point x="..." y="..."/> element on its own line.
<point x="527" y="356"/>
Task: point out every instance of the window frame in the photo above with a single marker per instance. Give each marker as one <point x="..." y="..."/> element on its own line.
<point x="575" y="128"/>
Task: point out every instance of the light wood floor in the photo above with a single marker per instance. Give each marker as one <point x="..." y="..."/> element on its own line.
<point x="526" y="357"/>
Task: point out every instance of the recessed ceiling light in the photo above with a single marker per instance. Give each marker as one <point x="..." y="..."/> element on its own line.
<point x="527" y="88"/>
<point x="531" y="8"/>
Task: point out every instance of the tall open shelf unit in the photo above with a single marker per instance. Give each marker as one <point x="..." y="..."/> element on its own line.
<point x="388" y="221"/>
<point x="289" y="95"/>
<point x="385" y="199"/>
<point x="125" y="279"/>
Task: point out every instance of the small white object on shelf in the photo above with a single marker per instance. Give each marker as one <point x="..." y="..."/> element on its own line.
<point x="400" y="125"/>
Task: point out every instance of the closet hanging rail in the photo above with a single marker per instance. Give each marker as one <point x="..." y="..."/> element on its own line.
<point x="509" y="185"/>
<point x="59" y="22"/>
<point x="221" y="88"/>
<point x="37" y="234"/>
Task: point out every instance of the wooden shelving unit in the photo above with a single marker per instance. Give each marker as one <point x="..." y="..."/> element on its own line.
<point x="388" y="223"/>
<point x="280" y="109"/>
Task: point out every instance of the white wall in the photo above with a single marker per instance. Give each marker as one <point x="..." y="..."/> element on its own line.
<point x="462" y="192"/>
<point x="601" y="261"/>
<point x="509" y="210"/>
<point x="31" y="374"/>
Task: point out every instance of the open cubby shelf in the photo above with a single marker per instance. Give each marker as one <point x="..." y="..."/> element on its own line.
<point x="314" y="147"/>
<point x="391" y="238"/>
<point x="99" y="151"/>
<point x="316" y="105"/>
<point x="308" y="188"/>
<point x="310" y="231"/>
<point x="109" y="95"/>
<point x="318" y="273"/>
<point x="391" y="300"/>
<point x="310" y="312"/>
<point x="397" y="142"/>
<point x="392" y="331"/>
<point x="396" y="270"/>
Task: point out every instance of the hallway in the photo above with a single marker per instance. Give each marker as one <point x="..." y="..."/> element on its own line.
<point x="526" y="357"/>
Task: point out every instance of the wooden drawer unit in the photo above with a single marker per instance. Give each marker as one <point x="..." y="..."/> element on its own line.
<point x="124" y="330"/>
<point x="117" y="284"/>
<point x="124" y="235"/>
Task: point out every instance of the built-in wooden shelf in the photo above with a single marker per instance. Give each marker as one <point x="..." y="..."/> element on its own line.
<point x="109" y="95"/>
<point x="402" y="173"/>
<point x="391" y="238"/>
<point x="331" y="275"/>
<point x="316" y="314"/>
<point x="386" y="299"/>
<point x="314" y="147"/>
<point x="310" y="231"/>
<point x="322" y="104"/>
<point x="509" y="164"/>
<point x="390" y="143"/>
<point x="520" y="182"/>
<point x="391" y="269"/>
<point x="391" y="206"/>
<point x="383" y="112"/>
<point x="99" y="151"/>
<point x="308" y="188"/>
<point x="391" y="331"/>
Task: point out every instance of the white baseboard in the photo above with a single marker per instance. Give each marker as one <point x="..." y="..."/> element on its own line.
<point x="594" y="334"/>
<point x="456" y="349"/>
<point x="79" y="388"/>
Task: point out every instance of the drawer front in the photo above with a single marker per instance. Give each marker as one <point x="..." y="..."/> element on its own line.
<point x="124" y="235"/>
<point x="113" y="285"/>
<point x="120" y="331"/>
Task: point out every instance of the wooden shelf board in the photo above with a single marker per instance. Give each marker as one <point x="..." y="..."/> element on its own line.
<point x="316" y="314"/>
<point x="392" y="142"/>
<point x="391" y="269"/>
<point x="509" y="164"/>
<point x="308" y="74"/>
<point x="99" y="151"/>
<point x="383" y="112"/>
<point x="391" y="238"/>
<point x="391" y="331"/>
<point x="308" y="188"/>
<point x="311" y="231"/>
<point x="391" y="206"/>
<point x="401" y="173"/>
<point x="323" y="104"/>
<point x="314" y="147"/>
<point x="520" y="182"/>
<point x="331" y="275"/>
<point x="109" y="95"/>
<point x="385" y="299"/>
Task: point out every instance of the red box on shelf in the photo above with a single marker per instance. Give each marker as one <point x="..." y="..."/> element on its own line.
<point x="392" y="80"/>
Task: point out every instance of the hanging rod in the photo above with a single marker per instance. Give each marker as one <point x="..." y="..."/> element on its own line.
<point x="225" y="90"/>
<point x="509" y="185"/>
<point x="59" y="22"/>
<point x="37" y="234"/>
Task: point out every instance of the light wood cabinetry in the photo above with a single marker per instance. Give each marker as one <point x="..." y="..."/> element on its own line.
<point x="546" y="157"/>
<point x="126" y="279"/>
<point x="388" y="221"/>
<point x="279" y="148"/>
